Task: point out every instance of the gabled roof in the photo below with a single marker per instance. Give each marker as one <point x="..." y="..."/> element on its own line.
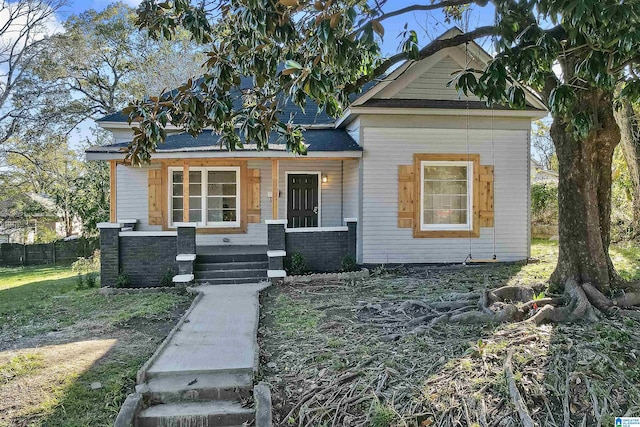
<point x="312" y="114"/>
<point x="471" y="54"/>
<point x="380" y="96"/>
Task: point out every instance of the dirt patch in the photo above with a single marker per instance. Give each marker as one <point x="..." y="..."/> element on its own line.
<point x="104" y="353"/>
<point x="60" y="363"/>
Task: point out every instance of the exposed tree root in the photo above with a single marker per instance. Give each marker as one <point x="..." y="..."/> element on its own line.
<point x="507" y="304"/>
<point x="471" y="358"/>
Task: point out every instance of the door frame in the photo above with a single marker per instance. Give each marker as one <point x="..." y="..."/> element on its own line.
<point x="286" y="193"/>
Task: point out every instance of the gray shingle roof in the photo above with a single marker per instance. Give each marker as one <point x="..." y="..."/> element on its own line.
<point x="315" y="139"/>
<point x="312" y="114"/>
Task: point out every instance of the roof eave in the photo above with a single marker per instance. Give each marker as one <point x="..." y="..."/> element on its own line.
<point x="352" y="112"/>
<point x="125" y="125"/>
<point x="192" y="154"/>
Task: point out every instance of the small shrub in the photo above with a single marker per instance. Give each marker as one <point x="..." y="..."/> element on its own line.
<point x="544" y="203"/>
<point x="383" y="416"/>
<point x="297" y="265"/>
<point x="79" y="282"/>
<point x="348" y="263"/>
<point x="87" y="265"/>
<point x="379" y="270"/>
<point x="91" y="280"/>
<point x="123" y="281"/>
<point x="167" y="278"/>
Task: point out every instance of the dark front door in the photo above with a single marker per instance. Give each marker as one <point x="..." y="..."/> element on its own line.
<point x="302" y="200"/>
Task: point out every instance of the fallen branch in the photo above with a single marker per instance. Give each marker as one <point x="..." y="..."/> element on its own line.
<point x="516" y="398"/>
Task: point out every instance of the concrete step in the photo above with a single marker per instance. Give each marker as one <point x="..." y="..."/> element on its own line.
<point x="183" y="278"/>
<point x="223" y="274"/>
<point x="242" y="370"/>
<point x="194" y="387"/>
<point x="231" y="280"/>
<point x="226" y="258"/>
<point x="257" y="265"/>
<point x="217" y="413"/>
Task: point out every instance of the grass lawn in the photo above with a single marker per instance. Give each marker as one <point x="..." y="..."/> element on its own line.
<point x="323" y="350"/>
<point x="56" y="341"/>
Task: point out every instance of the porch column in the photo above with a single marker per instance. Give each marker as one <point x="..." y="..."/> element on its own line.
<point x="109" y="252"/>
<point x="275" y="192"/>
<point x="113" y="167"/>
<point x="276" y="247"/>
<point x="185" y="192"/>
<point x="352" y="225"/>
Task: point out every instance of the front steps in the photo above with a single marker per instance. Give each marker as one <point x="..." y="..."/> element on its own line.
<point x="197" y="386"/>
<point x="184" y="399"/>
<point x="203" y="374"/>
<point x="190" y="414"/>
<point x="231" y="268"/>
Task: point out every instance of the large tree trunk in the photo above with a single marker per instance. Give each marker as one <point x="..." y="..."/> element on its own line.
<point x="630" y="142"/>
<point x="584" y="195"/>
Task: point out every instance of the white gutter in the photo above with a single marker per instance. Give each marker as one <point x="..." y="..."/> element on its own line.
<point x="533" y="114"/>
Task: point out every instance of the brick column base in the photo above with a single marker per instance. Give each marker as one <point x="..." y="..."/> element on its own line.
<point x="109" y="253"/>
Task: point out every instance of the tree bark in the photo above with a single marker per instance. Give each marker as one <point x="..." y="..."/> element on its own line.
<point x="584" y="194"/>
<point x="630" y="142"/>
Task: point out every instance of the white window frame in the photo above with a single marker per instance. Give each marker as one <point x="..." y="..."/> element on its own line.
<point x="448" y="227"/>
<point x="205" y="188"/>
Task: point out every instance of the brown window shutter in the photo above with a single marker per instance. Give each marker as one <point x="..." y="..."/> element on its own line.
<point x="155" y="197"/>
<point x="253" y="192"/>
<point x="486" y="196"/>
<point x="406" y="196"/>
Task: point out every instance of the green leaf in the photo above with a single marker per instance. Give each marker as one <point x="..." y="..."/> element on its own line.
<point x="378" y="28"/>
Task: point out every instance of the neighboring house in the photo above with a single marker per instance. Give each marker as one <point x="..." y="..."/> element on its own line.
<point x="413" y="172"/>
<point x="23" y="219"/>
<point x="539" y="174"/>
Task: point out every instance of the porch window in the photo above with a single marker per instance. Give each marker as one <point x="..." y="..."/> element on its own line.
<point x="446" y="195"/>
<point x="214" y="196"/>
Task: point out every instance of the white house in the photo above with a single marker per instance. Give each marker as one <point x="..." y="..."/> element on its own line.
<point x="413" y="172"/>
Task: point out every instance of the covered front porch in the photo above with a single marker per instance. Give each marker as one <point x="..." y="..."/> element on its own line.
<point x="237" y="220"/>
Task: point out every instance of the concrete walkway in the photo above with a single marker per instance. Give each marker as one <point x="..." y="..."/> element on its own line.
<point x="202" y="372"/>
<point x="219" y="335"/>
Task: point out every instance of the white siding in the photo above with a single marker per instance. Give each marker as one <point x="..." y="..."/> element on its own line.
<point x="126" y="135"/>
<point x="122" y="135"/>
<point x="331" y="191"/>
<point x="132" y="195"/>
<point x="353" y="129"/>
<point x="387" y="148"/>
<point x="132" y="202"/>
<point x="350" y="188"/>
<point x="433" y="83"/>
<point x="132" y="198"/>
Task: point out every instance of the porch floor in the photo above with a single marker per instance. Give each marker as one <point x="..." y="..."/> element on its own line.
<point x="231" y="250"/>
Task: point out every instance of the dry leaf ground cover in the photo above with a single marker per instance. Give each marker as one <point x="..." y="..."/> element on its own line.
<point x="338" y="354"/>
<point x="55" y="341"/>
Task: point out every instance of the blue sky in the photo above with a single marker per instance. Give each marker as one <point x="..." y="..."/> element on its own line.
<point x="429" y="25"/>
